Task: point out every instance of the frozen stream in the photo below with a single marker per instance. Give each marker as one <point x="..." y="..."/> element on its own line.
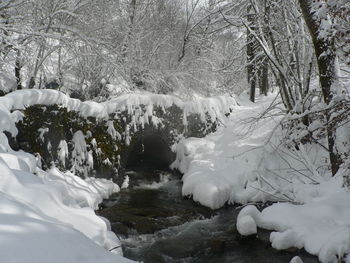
<point x="156" y="224"/>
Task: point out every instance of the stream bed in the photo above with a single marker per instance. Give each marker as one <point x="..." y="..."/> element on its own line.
<point x="156" y="224"/>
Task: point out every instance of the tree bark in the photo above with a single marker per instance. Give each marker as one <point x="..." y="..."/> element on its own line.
<point x="325" y="55"/>
<point x="324" y="50"/>
<point x="252" y="89"/>
<point x="251" y="66"/>
<point x="264" y="81"/>
<point x="18" y="67"/>
<point x="264" y="71"/>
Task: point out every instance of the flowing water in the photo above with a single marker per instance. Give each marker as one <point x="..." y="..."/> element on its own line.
<point x="156" y="224"/>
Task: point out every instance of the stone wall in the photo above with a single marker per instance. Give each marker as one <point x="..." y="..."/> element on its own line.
<point x="111" y="143"/>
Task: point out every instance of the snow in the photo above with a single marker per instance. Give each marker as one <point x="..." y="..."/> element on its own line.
<point x="42" y="215"/>
<point x="42" y="133"/>
<point x="321" y="225"/>
<point x="7" y="83"/>
<point x="296" y="259"/>
<point x="246" y="226"/>
<point x="28" y="236"/>
<point x="140" y="105"/>
<point x="243" y="163"/>
<point x="112" y="131"/>
<point x="63" y="152"/>
<point x="80" y="154"/>
<point x="218" y="168"/>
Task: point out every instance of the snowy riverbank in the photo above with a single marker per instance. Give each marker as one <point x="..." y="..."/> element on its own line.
<point x="245" y="161"/>
<point x="49" y="216"/>
<point x="224" y="166"/>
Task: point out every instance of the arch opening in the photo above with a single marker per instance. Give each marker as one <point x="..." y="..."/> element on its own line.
<point x="150" y="151"/>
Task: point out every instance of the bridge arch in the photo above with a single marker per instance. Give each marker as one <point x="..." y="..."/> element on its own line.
<point x="151" y="149"/>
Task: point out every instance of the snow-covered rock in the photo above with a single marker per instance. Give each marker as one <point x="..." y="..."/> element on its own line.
<point x="296" y="259"/>
<point x="246" y="226"/>
<point x="246" y="220"/>
<point x="321" y="225"/>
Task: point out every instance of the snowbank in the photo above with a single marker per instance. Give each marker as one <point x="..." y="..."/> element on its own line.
<point x="49" y="216"/>
<point x="242" y="163"/>
<point x="321" y="226"/>
<point x="218" y="168"/>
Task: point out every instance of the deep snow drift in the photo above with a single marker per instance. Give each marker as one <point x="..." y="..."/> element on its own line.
<point x="49" y="216"/>
<point x="224" y="166"/>
<point x="245" y="161"/>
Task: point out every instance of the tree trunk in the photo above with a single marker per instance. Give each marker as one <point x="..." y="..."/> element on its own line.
<point x="264" y="82"/>
<point x="18" y="67"/>
<point x="264" y="71"/>
<point x="251" y="66"/>
<point x="252" y="89"/>
<point x="324" y="50"/>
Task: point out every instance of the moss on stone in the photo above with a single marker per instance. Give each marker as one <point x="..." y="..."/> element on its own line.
<point x="62" y="125"/>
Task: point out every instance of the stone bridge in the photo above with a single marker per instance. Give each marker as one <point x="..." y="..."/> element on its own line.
<point x="105" y="138"/>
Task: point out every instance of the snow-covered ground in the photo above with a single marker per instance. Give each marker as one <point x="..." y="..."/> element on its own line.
<point x="246" y="161"/>
<point x="48" y="216"/>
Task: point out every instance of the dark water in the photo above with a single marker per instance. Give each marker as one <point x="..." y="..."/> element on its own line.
<point x="156" y="224"/>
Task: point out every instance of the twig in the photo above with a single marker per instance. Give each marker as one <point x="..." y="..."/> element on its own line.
<point x="114" y="248"/>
